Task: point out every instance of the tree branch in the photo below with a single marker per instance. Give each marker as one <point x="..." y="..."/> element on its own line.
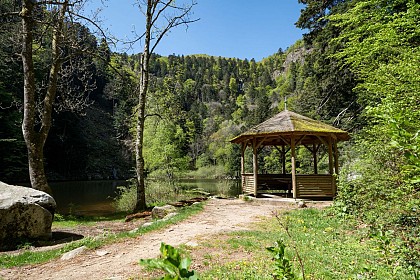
<point x="172" y="22"/>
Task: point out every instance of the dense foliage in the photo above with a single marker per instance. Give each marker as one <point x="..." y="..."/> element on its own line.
<point x="379" y="42"/>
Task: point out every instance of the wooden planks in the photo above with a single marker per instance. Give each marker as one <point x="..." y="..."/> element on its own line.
<point x="315" y="185"/>
<point x="248" y="183"/>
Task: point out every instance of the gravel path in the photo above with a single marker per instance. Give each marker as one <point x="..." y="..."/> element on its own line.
<point x="120" y="260"/>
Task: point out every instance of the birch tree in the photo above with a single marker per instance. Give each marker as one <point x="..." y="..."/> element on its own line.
<point x="160" y="17"/>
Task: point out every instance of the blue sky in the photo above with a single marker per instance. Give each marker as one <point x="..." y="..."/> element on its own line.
<point x="228" y="28"/>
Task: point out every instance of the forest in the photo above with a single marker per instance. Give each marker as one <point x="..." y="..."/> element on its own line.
<point x="357" y="68"/>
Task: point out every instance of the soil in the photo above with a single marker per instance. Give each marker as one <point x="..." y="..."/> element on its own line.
<point x="120" y="260"/>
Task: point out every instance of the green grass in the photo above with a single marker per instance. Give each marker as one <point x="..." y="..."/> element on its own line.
<point x="330" y="249"/>
<point x="28" y="257"/>
<point x="69" y="221"/>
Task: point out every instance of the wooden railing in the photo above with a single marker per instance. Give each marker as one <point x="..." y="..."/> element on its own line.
<point x="248" y="183"/>
<point x="320" y="185"/>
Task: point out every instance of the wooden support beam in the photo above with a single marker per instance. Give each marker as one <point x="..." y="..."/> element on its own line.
<point x="283" y="163"/>
<point x="335" y="157"/>
<point x="255" y="164"/>
<point x="322" y="140"/>
<point x="330" y="156"/>
<point x="243" y="148"/>
<point x="259" y="143"/>
<point x="314" y="154"/>
<point x="334" y="187"/>
<point x="284" y="140"/>
<point x="293" y="148"/>
<point x="300" y="140"/>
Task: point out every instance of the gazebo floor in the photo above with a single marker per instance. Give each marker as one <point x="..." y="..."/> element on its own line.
<point x="281" y="198"/>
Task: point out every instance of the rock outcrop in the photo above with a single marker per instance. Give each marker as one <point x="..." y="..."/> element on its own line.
<point x="25" y="214"/>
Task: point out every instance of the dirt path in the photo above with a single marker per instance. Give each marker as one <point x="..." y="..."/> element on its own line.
<point x="120" y="260"/>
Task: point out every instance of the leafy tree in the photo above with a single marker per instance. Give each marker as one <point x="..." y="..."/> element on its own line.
<point x="155" y="12"/>
<point x="163" y="148"/>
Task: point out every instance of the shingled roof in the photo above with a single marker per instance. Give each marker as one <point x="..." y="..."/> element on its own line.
<point x="288" y="123"/>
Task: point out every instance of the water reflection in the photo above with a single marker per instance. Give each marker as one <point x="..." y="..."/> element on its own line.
<point x="95" y="198"/>
<point x="87" y="198"/>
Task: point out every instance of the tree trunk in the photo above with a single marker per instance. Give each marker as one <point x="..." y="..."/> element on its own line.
<point x="141" y="196"/>
<point x="35" y="139"/>
<point x="153" y="13"/>
<point x="144" y="82"/>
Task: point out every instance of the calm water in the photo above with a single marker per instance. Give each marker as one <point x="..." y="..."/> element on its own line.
<point x="87" y="198"/>
<point x="95" y="198"/>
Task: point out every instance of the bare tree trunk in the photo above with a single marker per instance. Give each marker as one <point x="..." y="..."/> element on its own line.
<point x="155" y="10"/>
<point x="36" y="134"/>
<point x="144" y="83"/>
<point x="141" y="195"/>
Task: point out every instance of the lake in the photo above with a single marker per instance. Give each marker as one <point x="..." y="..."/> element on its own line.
<point x="95" y="198"/>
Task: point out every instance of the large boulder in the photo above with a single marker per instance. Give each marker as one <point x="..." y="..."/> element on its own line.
<point x="25" y="214"/>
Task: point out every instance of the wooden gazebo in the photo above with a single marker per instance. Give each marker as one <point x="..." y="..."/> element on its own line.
<point x="286" y="131"/>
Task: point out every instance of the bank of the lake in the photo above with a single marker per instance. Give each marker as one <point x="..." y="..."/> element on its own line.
<point x="96" y="198"/>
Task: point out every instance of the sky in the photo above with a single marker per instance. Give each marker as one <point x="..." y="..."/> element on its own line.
<point x="228" y="28"/>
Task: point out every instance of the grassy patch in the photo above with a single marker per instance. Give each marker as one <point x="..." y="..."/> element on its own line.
<point x="158" y="193"/>
<point x="69" y="221"/>
<point x="330" y="248"/>
<point x="33" y="257"/>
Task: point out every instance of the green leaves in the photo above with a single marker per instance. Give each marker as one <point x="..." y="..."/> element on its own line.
<point x="283" y="269"/>
<point x="171" y="262"/>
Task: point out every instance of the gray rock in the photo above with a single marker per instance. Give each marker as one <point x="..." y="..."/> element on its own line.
<point x="133" y="231"/>
<point x="25" y="213"/>
<point x="191" y="244"/>
<point x="73" y="253"/>
<point x="170" y="215"/>
<point x="101" y="253"/>
<point x="302" y="204"/>
<point x="160" y="212"/>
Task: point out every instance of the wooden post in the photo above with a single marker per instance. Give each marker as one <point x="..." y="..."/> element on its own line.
<point x="330" y="156"/>
<point x="292" y="147"/>
<point x="330" y="164"/>
<point x="243" y="148"/>
<point x="255" y="164"/>
<point x="314" y="150"/>
<point x="336" y="167"/>
<point x="335" y="156"/>
<point x="283" y="159"/>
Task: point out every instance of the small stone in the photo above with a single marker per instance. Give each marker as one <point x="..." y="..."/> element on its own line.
<point x="102" y="253"/>
<point x="147" y="224"/>
<point x="191" y="244"/>
<point x="302" y="204"/>
<point x="170" y="215"/>
<point x="133" y="231"/>
<point x="73" y="253"/>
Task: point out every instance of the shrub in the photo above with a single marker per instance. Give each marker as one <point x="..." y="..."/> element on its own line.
<point x="172" y="263"/>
